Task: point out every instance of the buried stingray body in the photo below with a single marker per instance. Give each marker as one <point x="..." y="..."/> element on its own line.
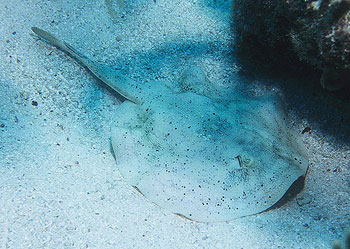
<point x="194" y="153"/>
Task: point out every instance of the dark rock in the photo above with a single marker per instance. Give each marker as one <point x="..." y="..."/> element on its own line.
<point x="296" y="35"/>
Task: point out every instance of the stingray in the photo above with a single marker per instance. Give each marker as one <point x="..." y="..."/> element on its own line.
<point x="195" y="153"/>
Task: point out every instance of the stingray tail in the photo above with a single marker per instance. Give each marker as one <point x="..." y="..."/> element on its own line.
<point x="123" y="85"/>
<point x="65" y="47"/>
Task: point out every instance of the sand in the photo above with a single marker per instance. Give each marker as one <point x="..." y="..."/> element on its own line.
<point x="59" y="184"/>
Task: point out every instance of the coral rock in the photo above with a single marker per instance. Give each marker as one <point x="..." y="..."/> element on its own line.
<point x="297" y="34"/>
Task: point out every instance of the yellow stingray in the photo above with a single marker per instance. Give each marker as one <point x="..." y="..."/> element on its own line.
<point x="199" y="155"/>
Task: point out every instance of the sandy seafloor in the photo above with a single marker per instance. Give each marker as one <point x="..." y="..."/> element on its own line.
<point x="59" y="184"/>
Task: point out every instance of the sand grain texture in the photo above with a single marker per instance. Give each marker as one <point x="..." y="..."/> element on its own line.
<point x="59" y="185"/>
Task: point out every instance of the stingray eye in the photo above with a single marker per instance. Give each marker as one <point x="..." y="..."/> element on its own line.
<point x="245" y="160"/>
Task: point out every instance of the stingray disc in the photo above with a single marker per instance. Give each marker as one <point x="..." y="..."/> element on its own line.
<point x="208" y="160"/>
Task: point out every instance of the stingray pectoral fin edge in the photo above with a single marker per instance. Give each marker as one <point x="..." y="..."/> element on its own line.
<point x="111" y="77"/>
